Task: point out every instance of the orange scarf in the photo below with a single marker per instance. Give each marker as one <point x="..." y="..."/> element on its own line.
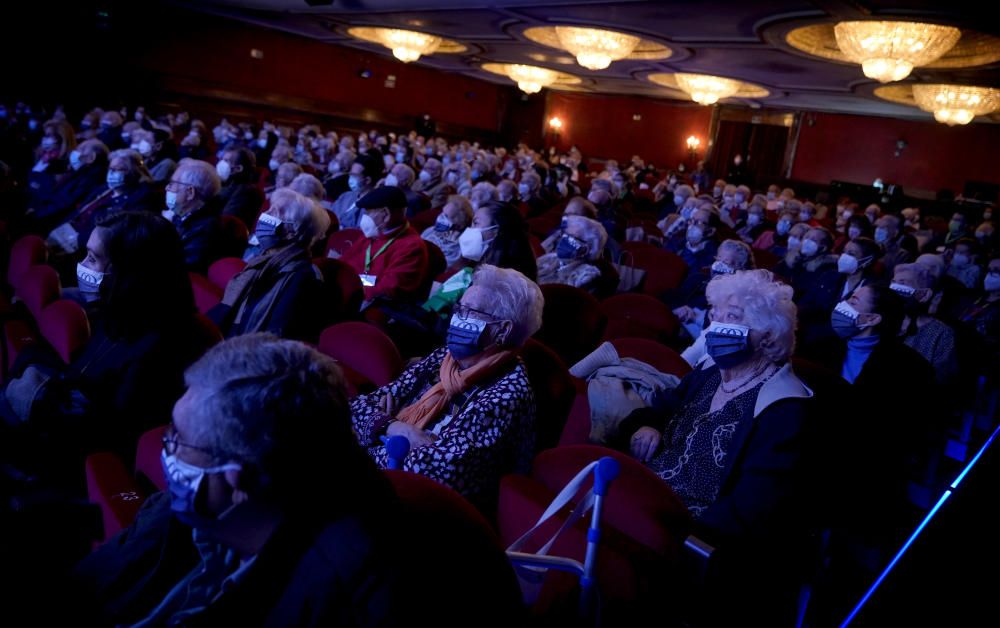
<point x="453" y="381"/>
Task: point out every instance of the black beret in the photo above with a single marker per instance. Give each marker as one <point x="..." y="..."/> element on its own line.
<point x="385" y="196"/>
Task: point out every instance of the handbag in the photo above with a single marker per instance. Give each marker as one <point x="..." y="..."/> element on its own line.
<point x="629" y="277"/>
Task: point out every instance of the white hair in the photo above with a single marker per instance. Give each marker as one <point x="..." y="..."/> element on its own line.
<point x="133" y="160"/>
<point x="742" y="251"/>
<point x="200" y="175"/>
<point x="767" y="307"/>
<point x="404" y="174"/>
<point x="532" y="180"/>
<point x="922" y="273"/>
<point x="592" y="232"/>
<point x="513" y="297"/>
<point x="307" y="217"/>
<point x="934" y="263"/>
<point x="308" y="185"/>
<point x="482" y="193"/>
<point x="463" y="205"/>
<point x="684" y="190"/>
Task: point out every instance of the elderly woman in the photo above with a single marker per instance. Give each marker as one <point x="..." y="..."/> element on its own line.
<point x="688" y="301"/>
<point x="728" y="439"/>
<point x="577" y="258"/>
<point x="280" y="290"/>
<point x="577" y="206"/>
<point x="923" y="333"/>
<point x="481" y="194"/>
<point x="449" y="226"/>
<point x="467" y="408"/>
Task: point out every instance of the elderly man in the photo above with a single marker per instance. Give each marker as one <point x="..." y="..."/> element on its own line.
<point x="240" y="196"/>
<point x="430" y="183"/>
<point x="391" y="259"/>
<point x="364" y="173"/>
<point x="194" y="210"/>
<point x="338" y="173"/>
<point x="402" y="176"/>
<point x="239" y="536"/>
<point x="87" y="179"/>
<point x="700" y="242"/>
<point x="812" y="270"/>
<point x="897" y="247"/>
<point x="577" y="260"/>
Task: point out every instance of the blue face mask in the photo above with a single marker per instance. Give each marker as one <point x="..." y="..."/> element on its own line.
<point x="465" y="336"/>
<point x="183" y="481"/>
<point x="442" y="224"/>
<point x="570" y="248"/>
<point x="728" y="344"/>
<point x="844" y="320"/>
<point x="269" y="232"/>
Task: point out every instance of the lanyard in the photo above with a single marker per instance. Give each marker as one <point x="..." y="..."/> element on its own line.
<point x="368" y="253"/>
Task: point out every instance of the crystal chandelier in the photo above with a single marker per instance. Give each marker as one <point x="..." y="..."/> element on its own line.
<point x="888" y="51"/>
<point x="531" y="79"/>
<point x="407" y="46"/>
<point x="596" y="49"/>
<point x="956" y="104"/>
<point x="705" y="89"/>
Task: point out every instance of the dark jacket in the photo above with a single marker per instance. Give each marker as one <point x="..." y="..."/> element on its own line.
<point x="201" y="235"/>
<point x="242" y="200"/>
<point x="817" y="285"/>
<point x="47" y="211"/>
<point x="138" y="197"/>
<point x="416" y="202"/>
<point x="285" y="297"/>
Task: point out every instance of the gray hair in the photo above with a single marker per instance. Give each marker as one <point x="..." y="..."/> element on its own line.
<point x="308" y="185"/>
<point x="593" y="233"/>
<point x="433" y="167"/>
<point x="482" y="193"/>
<point x="767" y="307"/>
<point x="288" y="171"/>
<point x="532" y="180"/>
<point x="96" y="146"/>
<point x="934" y="263"/>
<point x="506" y="189"/>
<point x="270" y="404"/>
<point x="684" y="190"/>
<point x="136" y="168"/>
<point x="581" y="204"/>
<point x="742" y="251"/>
<point x="464" y="205"/>
<point x="305" y="214"/>
<point x="404" y="174"/>
<point x="513" y="297"/>
<point x="200" y="175"/>
<point x="922" y="273"/>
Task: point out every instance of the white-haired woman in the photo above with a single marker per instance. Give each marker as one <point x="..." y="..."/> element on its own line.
<point x="922" y="332"/>
<point x="279" y="290"/>
<point x="689" y="302"/>
<point x="450" y="223"/>
<point x="578" y="258"/>
<point x="728" y="438"/>
<point x="467" y="408"/>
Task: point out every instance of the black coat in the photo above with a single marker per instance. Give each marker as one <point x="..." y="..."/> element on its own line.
<point x="201" y="236"/>
<point x="242" y="200"/>
<point x="48" y="211"/>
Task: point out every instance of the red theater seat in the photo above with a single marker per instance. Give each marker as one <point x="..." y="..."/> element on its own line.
<point x="366" y="354"/>
<point x="632" y="315"/>
<point x="65" y="327"/>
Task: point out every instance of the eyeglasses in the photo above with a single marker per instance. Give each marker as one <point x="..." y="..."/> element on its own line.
<point x="176" y="183"/>
<point x="171" y="442"/>
<point x="464" y="312"/>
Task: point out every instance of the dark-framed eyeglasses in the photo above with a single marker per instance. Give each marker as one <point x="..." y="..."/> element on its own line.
<point x="171" y="442"/>
<point x="464" y="312"/>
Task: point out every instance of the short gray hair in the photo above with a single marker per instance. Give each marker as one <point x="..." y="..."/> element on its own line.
<point x="532" y="180"/>
<point x="200" y="175"/>
<point x="433" y="167"/>
<point x="513" y="297"/>
<point x="742" y="251"/>
<point x="922" y="273"/>
<point x="594" y="234"/>
<point x="482" y="193"/>
<point x="136" y="169"/>
<point x="684" y="190"/>
<point x="306" y="215"/>
<point x="464" y="205"/>
<point x="767" y="307"/>
<point x="407" y="174"/>
<point x="269" y="404"/>
<point x="308" y="185"/>
<point x="288" y="170"/>
<point x="934" y="263"/>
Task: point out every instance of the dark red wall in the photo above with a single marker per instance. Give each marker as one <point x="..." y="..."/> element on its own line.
<point x="602" y="127"/>
<point x="859" y="149"/>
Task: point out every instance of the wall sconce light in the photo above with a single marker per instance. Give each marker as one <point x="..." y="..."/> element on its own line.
<point x="900" y="145"/>
<point x="555" y="123"/>
<point x="693" y="143"/>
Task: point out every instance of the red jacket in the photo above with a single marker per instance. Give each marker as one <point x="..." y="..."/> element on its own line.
<point x="400" y="269"/>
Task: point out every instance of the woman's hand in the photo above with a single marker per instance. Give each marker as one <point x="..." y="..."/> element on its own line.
<point x="684" y="314"/>
<point x="644" y="443"/>
<point x="417" y="437"/>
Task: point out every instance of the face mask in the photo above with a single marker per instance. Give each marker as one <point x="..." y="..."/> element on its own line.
<point x="740" y="198"/>
<point x="88" y="280"/>
<point x="443" y="223"/>
<point x="686" y="212"/>
<point x="563" y="188"/>
<point x="903" y="291"/>
<point x="472" y="244"/>
<point x="881" y="235"/>
<point x="753" y="220"/>
<point x="183" y="480"/>
<point x="728" y="344"/>
<point x="115" y="179"/>
<point x="224" y="170"/>
<point x="269" y="233"/>
<point x="392" y="181"/>
<point x="570" y="248"/>
<point x="523" y="190"/>
<point x="48" y="143"/>
<point x="126" y="137"/>
<point x="74" y="160"/>
<point x="425" y="176"/>
<point x="679" y="201"/>
<point x="805" y="216"/>
<point x="728" y="199"/>
<point x="955" y="226"/>
<point x="961" y="260"/>
<point x="145" y="148"/>
<point x="368" y="226"/>
<point x="262" y="142"/>
<point x="771" y="196"/>
<point x="273" y="165"/>
<point x="464" y="336"/>
<point x="781" y="205"/>
<point x="794" y="243"/>
<point x="354" y="183"/>
<point x="809" y="248"/>
<point x="853" y="232"/>
<point x="784" y="226"/>
<point x="429" y="151"/>
<point x="847" y="264"/>
<point x="694" y="234"/>
<point x="716" y="191"/>
<point x="171" y="200"/>
<point x="991" y="283"/>
<point x="32" y="125"/>
<point x="721" y="268"/>
<point x="844" y="320"/>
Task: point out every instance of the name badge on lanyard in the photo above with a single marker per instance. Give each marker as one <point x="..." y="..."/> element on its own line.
<point x="367" y="280"/>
